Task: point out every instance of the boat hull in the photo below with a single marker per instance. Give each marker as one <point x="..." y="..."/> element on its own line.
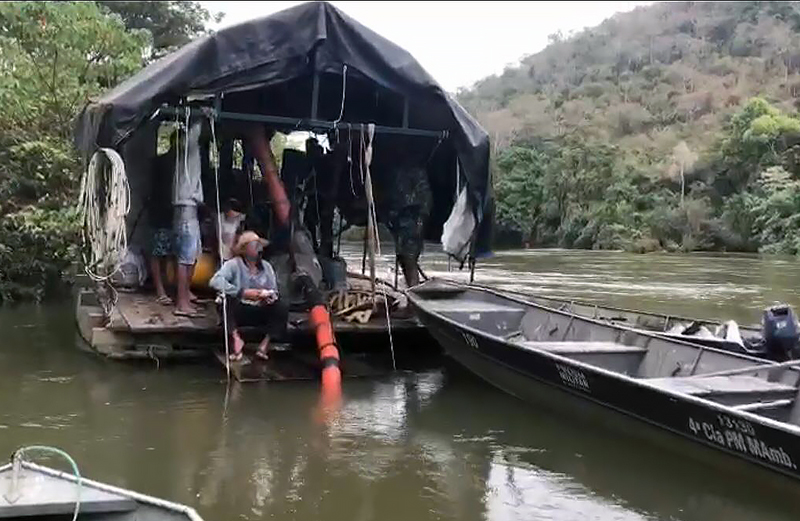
<point x="523" y="372"/>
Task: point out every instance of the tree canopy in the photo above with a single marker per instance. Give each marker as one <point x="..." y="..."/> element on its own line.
<point x="171" y="24"/>
<point x="54" y="56"/>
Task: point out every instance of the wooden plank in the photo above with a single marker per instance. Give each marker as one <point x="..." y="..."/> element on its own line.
<point x="283" y="365"/>
<point x="289" y="364"/>
<point x="110" y="343"/>
<point x="117" y="321"/>
<point x="88" y="317"/>
<point x="142" y="314"/>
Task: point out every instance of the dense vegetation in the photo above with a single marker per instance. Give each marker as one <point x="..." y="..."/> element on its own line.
<point x="670" y="127"/>
<point x="54" y="56"/>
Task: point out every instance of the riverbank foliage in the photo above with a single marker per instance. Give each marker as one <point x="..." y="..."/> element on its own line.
<point x="54" y="56"/>
<point x="670" y="127"/>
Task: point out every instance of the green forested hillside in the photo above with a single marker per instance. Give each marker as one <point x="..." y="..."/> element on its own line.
<point x="594" y="135"/>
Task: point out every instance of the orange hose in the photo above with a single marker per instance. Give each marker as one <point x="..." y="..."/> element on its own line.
<point x="328" y="353"/>
<point x="331" y="383"/>
<point x="257" y="139"/>
<point x="318" y="315"/>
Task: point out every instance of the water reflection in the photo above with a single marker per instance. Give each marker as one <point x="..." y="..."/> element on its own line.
<point x="436" y="445"/>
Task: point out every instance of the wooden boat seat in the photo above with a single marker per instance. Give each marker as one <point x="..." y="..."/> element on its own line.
<point x="730" y="390"/>
<point x="619" y="358"/>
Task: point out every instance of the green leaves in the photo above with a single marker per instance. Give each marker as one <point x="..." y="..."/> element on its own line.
<point x="519" y="188"/>
<point x="37" y="247"/>
<point x="53" y="57"/>
<point x="573" y="194"/>
<point x="171" y="24"/>
<point x="58" y="54"/>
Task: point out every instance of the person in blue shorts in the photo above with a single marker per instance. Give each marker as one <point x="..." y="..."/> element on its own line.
<point x="187" y="195"/>
<point x="160" y="213"/>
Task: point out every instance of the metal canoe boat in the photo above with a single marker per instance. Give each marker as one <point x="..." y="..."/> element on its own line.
<point x="738" y="404"/>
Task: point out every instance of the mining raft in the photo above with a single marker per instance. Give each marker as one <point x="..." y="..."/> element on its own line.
<point x="315" y="124"/>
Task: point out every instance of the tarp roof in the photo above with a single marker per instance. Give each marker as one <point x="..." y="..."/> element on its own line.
<point x="283" y="48"/>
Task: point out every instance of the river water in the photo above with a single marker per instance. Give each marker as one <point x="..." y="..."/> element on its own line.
<point x="436" y="445"/>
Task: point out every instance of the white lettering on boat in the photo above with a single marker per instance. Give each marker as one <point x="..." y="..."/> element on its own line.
<point x="573" y="377"/>
<point x="740" y="436"/>
<point x="742" y="426"/>
<point x="470" y="340"/>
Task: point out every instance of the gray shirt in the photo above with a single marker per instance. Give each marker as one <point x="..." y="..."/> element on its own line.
<point x="187" y="189"/>
<point x="234" y="277"/>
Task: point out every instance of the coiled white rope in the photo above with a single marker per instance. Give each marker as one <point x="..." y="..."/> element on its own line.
<point x="104" y="205"/>
<point x="17" y="459"/>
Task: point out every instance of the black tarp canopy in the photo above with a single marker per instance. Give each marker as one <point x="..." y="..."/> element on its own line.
<point x="280" y="54"/>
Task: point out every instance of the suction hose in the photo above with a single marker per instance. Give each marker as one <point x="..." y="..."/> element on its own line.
<point x="320" y="321"/>
<point x="326" y="344"/>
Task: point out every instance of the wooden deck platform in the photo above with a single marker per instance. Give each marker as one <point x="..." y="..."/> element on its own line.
<point x="140" y="314"/>
<point x="141" y="328"/>
<point x="287" y="364"/>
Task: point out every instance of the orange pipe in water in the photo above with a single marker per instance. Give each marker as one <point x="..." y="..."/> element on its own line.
<point x="328" y="353"/>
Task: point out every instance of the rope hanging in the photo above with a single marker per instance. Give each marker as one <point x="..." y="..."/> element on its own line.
<point x="104" y="204"/>
<point x="373" y="235"/>
<point x="219" y="235"/>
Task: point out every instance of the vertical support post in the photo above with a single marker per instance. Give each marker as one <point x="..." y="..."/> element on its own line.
<point x="405" y="112"/>
<point x="217" y="105"/>
<point x="315" y="95"/>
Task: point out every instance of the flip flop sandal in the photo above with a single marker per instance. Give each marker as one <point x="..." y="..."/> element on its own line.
<point x="235" y="357"/>
<point x="188" y="314"/>
<point x="262" y="355"/>
<point x="164" y="300"/>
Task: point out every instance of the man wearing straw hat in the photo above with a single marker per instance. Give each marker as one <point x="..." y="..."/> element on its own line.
<point x="250" y="287"/>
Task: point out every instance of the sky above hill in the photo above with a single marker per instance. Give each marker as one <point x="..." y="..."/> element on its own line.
<point x="458" y="43"/>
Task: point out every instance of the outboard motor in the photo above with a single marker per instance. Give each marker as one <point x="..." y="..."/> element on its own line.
<point x="781" y="333"/>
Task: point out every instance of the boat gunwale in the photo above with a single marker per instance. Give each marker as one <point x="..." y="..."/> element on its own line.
<point x="139" y="497"/>
<point x="767" y="422"/>
<point x="752" y="328"/>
